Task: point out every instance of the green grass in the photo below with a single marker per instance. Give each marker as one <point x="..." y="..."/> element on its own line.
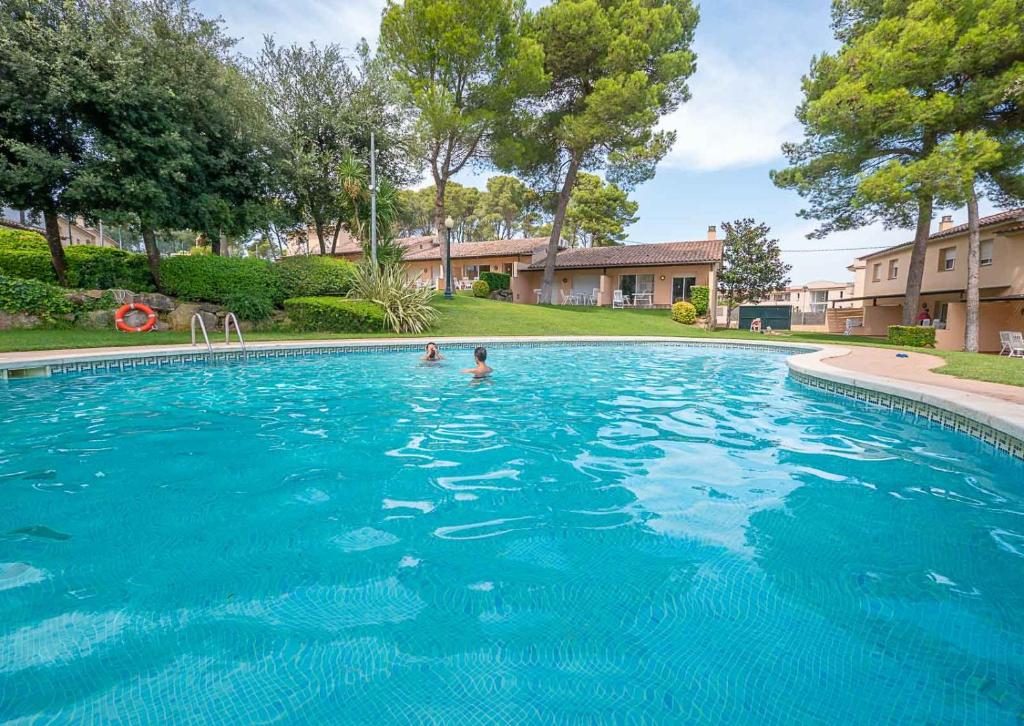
<point x="468" y="316"/>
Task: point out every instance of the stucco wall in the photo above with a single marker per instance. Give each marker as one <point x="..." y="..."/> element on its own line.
<point x="608" y="281"/>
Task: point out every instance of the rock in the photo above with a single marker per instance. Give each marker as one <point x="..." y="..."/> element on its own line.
<point x="160" y="303"/>
<point x="161" y="326"/>
<point x="96" y="319"/>
<point x="502" y="295"/>
<point x="95" y="294"/>
<point x="18" y="321"/>
<point x="181" y="317"/>
<point x="209" y="307"/>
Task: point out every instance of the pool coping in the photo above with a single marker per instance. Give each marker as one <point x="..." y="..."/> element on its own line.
<point x="990" y="419"/>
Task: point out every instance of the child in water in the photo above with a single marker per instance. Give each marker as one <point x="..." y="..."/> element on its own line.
<point x="432" y="355"/>
<point x="481" y="369"/>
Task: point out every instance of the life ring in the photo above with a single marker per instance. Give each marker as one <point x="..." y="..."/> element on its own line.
<point x="127" y="308"/>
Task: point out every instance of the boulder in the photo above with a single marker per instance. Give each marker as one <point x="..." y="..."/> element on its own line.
<point x="96" y="319"/>
<point x="502" y="295"/>
<point x="160" y="303"/>
<point x="181" y="317"/>
<point x="18" y="321"/>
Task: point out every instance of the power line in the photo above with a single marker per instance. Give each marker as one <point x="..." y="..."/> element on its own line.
<point x="840" y="249"/>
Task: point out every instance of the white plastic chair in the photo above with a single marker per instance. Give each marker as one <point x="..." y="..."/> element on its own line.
<point x="593" y="296"/>
<point x="538" y="292"/>
<point x="1005" y="336"/>
<point x="618" y="299"/>
<point x="568" y="298"/>
<point x="1016" y="344"/>
<point x="852" y="323"/>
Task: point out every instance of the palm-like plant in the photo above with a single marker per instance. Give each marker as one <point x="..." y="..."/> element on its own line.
<point x="407" y="309"/>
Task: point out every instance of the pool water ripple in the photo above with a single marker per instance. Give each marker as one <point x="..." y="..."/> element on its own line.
<point x="614" y="533"/>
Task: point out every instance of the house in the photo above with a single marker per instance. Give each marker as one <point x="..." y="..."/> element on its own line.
<point x="469" y="259"/>
<point x="347" y="247"/>
<point x="816" y="297"/>
<point x="664" y="270"/>
<point x="881" y="281"/>
<point x="72" y="231"/>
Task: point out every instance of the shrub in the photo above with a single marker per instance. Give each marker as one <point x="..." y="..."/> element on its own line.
<point x="34" y="297"/>
<point x="684" y="312"/>
<point x="481" y="288"/>
<point x="406" y="308"/>
<point x="496" y="280"/>
<point x="211" y="278"/>
<point x="103" y="268"/>
<point x="308" y="276"/>
<point x="28" y="264"/>
<point x="334" y="315"/>
<point x="249" y="307"/>
<point x="26" y="255"/>
<point x="20" y="239"/>
<point x="700" y="297"/>
<point x="915" y="336"/>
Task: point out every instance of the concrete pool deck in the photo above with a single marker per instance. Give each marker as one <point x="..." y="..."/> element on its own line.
<point x="994" y="405"/>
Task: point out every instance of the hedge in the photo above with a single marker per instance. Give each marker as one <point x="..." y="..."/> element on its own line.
<point x="27" y="255"/>
<point x="684" y="312"/>
<point x="211" y="278"/>
<point x="334" y="315"/>
<point x="33" y="297"/>
<point x="700" y="297"/>
<point x="915" y="336"/>
<point x="481" y="288"/>
<point x="309" y="276"/>
<point x="496" y="280"/>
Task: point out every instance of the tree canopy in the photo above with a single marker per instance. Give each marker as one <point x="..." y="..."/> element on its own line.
<point x="752" y="265"/>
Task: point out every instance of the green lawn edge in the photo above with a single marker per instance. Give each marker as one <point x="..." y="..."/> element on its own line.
<point x="466" y="316"/>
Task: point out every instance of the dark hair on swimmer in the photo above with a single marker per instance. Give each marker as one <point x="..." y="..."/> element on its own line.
<point x="480" y="353"/>
<point x="431" y="343"/>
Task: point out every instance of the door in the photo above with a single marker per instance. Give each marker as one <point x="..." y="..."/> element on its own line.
<point x="681" y="288"/>
<point x="585" y="284"/>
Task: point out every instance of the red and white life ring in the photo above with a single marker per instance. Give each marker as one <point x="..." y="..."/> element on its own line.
<point x="127" y="308"/>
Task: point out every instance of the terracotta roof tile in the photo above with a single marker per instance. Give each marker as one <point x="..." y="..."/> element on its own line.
<point x="1010" y="215"/>
<point x="490" y="248"/>
<point x="658" y="253"/>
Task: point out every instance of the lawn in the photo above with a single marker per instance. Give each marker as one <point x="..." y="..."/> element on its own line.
<point x="468" y="316"/>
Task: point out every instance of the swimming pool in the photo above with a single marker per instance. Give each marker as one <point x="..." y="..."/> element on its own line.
<point x="615" y="532"/>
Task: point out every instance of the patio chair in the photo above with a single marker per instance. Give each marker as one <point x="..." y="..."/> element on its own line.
<point x="538" y="292"/>
<point x="1016" y="343"/>
<point x="1005" y="336"/>
<point x="466" y="284"/>
<point x="618" y="299"/>
<point x="851" y="324"/>
<point x="568" y="298"/>
<point x="593" y="296"/>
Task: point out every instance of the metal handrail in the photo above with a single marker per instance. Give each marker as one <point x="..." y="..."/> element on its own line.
<point x="228" y="320"/>
<point x="202" y="326"/>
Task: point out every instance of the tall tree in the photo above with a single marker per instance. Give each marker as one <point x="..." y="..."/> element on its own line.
<point x="598" y="213"/>
<point x="752" y="265"/>
<point x="615" y="68"/>
<point x="509" y="206"/>
<point x="463" y="63"/>
<point x="48" y="54"/>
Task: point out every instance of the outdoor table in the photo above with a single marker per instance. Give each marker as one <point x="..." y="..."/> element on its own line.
<point x="646" y="298"/>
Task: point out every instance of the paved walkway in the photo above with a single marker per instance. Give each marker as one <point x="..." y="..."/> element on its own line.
<point x="918" y="369"/>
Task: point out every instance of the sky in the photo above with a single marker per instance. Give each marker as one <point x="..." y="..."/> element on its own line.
<point x="750" y="58"/>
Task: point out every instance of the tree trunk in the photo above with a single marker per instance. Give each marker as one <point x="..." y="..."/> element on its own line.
<point x="318" y="223"/>
<point x="915" y="271"/>
<point x="152" y="253"/>
<point x="973" y="267"/>
<point x="548" y="285"/>
<point x="334" y="239"/>
<point x="440" y="230"/>
<point x="60" y="265"/>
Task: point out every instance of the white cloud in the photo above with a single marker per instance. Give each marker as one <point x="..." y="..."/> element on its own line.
<point x="740" y="111"/>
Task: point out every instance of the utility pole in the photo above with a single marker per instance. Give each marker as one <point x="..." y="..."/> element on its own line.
<point x="373" y="199"/>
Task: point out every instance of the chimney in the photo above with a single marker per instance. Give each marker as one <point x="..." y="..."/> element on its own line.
<point x="712" y="232"/>
<point x="946" y="223"/>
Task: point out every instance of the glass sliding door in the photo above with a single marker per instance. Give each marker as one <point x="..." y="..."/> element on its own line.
<point x="681" y="288"/>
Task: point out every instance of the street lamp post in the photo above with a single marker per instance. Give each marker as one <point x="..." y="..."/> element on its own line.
<point x="448" y="224"/>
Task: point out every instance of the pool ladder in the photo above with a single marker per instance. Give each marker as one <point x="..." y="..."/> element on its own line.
<point x="229" y="320"/>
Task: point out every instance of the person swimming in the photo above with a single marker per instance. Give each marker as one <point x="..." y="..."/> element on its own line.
<point x="481" y="369"/>
<point x="433" y="354"/>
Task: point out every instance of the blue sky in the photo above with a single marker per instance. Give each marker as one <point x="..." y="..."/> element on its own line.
<point x="751" y="56"/>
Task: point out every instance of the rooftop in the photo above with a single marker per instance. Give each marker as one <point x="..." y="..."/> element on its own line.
<point x="1010" y="215"/>
<point x="658" y="253"/>
<point x="490" y="248"/>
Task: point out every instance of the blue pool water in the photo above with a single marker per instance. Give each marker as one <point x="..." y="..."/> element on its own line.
<point x="615" y="534"/>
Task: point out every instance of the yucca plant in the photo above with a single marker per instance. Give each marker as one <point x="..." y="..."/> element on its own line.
<point x="406" y="308"/>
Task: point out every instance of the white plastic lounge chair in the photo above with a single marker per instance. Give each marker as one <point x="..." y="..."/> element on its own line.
<point x="593" y="296"/>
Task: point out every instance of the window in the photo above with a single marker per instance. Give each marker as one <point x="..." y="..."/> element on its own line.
<point x="681" y="288"/>
<point x="894" y="269"/>
<point x="940" y="312"/>
<point x="947" y="259"/>
<point x="986" y="252"/>
<point x="632" y="284"/>
<point x="819" y="300"/>
<point x="473" y="271"/>
<point x="507" y="268"/>
<point x="876" y="272"/>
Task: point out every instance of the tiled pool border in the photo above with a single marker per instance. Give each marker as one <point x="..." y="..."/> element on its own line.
<point x="804" y="363"/>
